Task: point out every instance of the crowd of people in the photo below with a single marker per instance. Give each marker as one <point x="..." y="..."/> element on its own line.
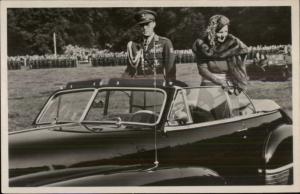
<point x="109" y="59"/>
<point x="187" y="56"/>
<point x="82" y="53"/>
<point x="264" y="51"/>
<point x="41" y="62"/>
<point x="120" y="58"/>
<point x="106" y="58"/>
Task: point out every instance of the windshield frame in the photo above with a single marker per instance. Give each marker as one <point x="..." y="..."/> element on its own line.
<point x="127" y="122"/>
<point x="92" y="98"/>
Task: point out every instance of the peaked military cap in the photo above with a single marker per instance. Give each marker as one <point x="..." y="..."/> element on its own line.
<point x="145" y="16"/>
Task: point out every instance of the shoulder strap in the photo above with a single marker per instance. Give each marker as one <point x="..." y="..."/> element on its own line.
<point x="134" y="60"/>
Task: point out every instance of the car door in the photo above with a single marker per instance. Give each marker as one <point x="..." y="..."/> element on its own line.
<point x="210" y="134"/>
<point x="256" y="126"/>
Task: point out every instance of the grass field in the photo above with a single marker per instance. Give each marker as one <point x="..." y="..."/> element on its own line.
<point x="28" y="90"/>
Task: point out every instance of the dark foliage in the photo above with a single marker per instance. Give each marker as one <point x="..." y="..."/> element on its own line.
<point x="30" y="30"/>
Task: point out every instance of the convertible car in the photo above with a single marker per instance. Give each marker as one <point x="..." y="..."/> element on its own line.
<point x="149" y="132"/>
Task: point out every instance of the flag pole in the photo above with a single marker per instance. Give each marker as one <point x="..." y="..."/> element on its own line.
<point x="54" y="43"/>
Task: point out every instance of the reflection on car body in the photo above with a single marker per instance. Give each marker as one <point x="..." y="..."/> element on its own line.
<point x="133" y="132"/>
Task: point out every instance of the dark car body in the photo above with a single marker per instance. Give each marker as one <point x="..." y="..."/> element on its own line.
<point x="271" y="68"/>
<point x="143" y="132"/>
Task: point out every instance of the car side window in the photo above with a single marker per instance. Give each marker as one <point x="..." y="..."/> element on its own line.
<point x="179" y="114"/>
<point x="207" y="104"/>
<point x="240" y="104"/>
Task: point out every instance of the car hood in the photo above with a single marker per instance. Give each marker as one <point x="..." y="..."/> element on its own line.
<point x="74" y="145"/>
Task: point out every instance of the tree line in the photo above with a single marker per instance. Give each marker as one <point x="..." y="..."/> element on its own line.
<point x="30" y="30"/>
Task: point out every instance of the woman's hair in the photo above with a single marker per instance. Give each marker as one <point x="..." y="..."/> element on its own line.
<point x="216" y="23"/>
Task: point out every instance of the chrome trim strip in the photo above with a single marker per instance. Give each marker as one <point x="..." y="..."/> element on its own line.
<point x="280" y="169"/>
<point x="278" y="176"/>
<point x="244" y="129"/>
<point x="221" y="121"/>
<point x="192" y="87"/>
<point x="43" y="127"/>
<point x="281" y="178"/>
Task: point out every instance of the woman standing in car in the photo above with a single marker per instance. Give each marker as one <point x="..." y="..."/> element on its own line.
<point x="221" y="56"/>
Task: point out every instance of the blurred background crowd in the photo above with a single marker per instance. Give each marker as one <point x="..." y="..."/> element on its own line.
<point x="75" y="54"/>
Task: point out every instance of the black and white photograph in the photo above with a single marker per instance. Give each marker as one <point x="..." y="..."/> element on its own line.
<point x="150" y="96"/>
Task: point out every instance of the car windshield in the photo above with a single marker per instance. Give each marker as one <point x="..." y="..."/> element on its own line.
<point x="139" y="106"/>
<point x="65" y="107"/>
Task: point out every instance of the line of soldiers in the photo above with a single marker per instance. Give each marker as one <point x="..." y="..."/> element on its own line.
<point x="14" y="63"/>
<point x="52" y="63"/>
<point x="187" y="56"/>
<point x="120" y="59"/>
<point x="41" y="62"/>
<point x="109" y="59"/>
<point x="82" y="53"/>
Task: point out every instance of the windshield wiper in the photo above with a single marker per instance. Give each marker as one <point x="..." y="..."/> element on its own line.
<point x="115" y="121"/>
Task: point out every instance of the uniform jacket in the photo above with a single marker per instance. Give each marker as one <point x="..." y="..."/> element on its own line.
<point x="141" y="62"/>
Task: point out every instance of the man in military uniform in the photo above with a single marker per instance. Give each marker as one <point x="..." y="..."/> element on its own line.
<point x="151" y="54"/>
<point x="221" y="56"/>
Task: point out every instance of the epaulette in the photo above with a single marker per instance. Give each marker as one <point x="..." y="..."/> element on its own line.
<point x="163" y="38"/>
<point x="156" y="37"/>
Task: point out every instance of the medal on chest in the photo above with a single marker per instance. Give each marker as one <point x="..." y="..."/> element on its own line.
<point x="157" y="48"/>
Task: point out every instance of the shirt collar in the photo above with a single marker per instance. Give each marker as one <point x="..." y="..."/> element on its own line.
<point x="149" y="39"/>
